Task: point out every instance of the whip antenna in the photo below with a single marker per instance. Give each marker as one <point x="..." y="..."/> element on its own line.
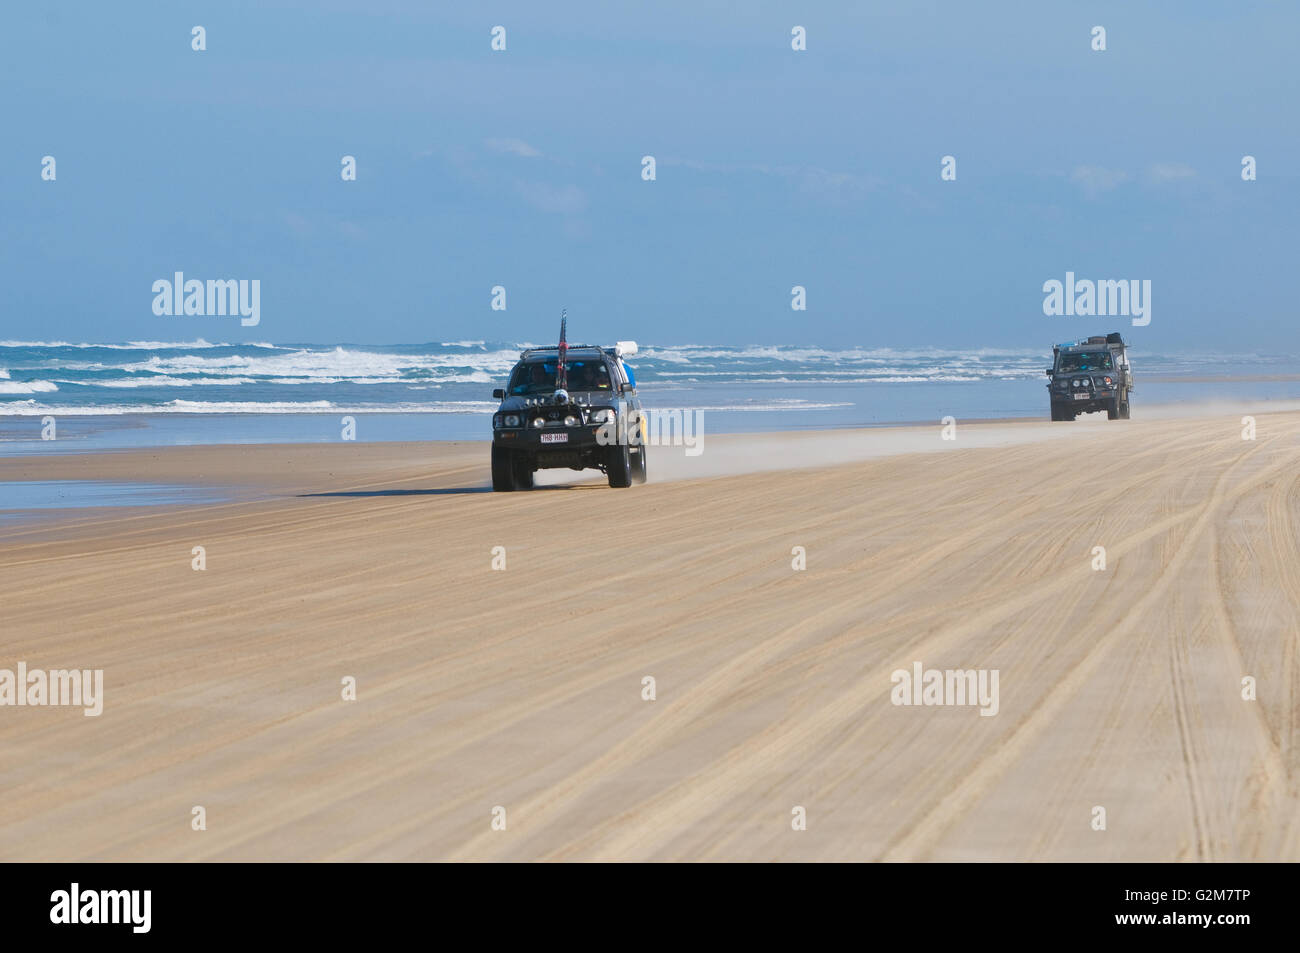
<point x="561" y="370"/>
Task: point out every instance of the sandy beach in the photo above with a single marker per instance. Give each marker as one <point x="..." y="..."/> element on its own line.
<point x="523" y="688"/>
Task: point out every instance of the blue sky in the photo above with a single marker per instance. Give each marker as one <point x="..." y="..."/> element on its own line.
<point x="775" y="168"/>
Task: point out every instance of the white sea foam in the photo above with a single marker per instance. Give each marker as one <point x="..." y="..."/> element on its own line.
<point x="27" y="387"/>
<point x="161" y="381"/>
<point x="810" y="380"/>
<point x="338" y="363"/>
<point x="689" y="353"/>
<point x="135" y="345"/>
<point x="31" y="408"/>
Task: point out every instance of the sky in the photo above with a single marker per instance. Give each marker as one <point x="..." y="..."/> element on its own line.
<point x="522" y="168"/>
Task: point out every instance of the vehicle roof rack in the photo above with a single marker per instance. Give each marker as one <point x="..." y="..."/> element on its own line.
<point x="1112" y="338"/>
<point x="555" y="347"/>
<point x="620" y="349"/>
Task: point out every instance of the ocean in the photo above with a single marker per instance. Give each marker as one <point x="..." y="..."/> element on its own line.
<point x="157" y="393"/>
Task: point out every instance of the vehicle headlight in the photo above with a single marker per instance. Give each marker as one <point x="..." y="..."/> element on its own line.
<point x="570" y="421"/>
<point x="511" y="420"/>
<point x="1108" y="381"/>
<point x="538" y="422"/>
<point x="602" y="416"/>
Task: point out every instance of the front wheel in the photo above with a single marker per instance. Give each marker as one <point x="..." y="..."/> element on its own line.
<point x="1112" y="409"/>
<point x="503" y="470"/>
<point x="1123" y="410"/>
<point x="638" y="465"/>
<point x="618" y="467"/>
<point x="1061" y="411"/>
<point x="523" y="470"/>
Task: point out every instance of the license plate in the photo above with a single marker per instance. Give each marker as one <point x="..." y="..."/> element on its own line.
<point x="1076" y="397"/>
<point x="555" y="438"/>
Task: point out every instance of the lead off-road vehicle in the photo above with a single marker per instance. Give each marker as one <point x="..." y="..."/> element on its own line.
<point x="1090" y="375"/>
<point x="571" y="406"/>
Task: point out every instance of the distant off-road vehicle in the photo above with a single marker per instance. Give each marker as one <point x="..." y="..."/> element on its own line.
<point x="572" y="406"/>
<point x="1090" y="375"/>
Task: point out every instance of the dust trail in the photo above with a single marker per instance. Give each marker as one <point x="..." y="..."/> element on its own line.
<point x="740" y="454"/>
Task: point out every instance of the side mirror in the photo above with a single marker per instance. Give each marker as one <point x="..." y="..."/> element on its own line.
<point x="499" y="394"/>
<point x="626" y="388"/>
<point x="1049" y="372"/>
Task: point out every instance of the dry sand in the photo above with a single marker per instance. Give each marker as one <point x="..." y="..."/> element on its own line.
<point x="522" y="688"/>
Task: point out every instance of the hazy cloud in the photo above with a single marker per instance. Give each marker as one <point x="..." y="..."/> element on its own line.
<point x="813" y="179"/>
<point x="561" y="200"/>
<point x="1170" y="171"/>
<point x="1094" y="179"/>
<point x="514" y="147"/>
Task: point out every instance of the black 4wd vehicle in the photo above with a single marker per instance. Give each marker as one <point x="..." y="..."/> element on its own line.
<point x="1090" y="375"/>
<point x="585" y="415"/>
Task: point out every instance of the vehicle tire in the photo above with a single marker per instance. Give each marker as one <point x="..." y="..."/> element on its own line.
<point x="503" y="471"/>
<point x="638" y="465"/>
<point x="1059" y="411"/>
<point x="1112" y="409"/>
<point x="523" y="472"/>
<point x="618" y="467"/>
<point x="1123" y="410"/>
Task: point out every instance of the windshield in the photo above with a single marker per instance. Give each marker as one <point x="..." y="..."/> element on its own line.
<point x="1086" y="361"/>
<point x="538" y="377"/>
